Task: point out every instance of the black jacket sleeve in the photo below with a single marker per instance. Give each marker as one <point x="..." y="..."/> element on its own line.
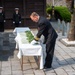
<point x="41" y="29"/>
<point x="13" y="16"/>
<point x="20" y="17"/>
<point x="4" y="15"/>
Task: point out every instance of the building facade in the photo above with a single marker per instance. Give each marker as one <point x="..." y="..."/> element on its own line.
<point x="26" y="7"/>
<point x="57" y="2"/>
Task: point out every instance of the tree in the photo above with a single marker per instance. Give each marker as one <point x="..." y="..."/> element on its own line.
<point x="70" y="5"/>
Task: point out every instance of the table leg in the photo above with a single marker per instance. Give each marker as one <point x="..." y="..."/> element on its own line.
<point x="22" y="63"/>
<point x="39" y="61"/>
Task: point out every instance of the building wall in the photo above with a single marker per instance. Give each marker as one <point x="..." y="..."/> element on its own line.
<point x="26" y="8"/>
<point x="57" y="2"/>
<point x="34" y="5"/>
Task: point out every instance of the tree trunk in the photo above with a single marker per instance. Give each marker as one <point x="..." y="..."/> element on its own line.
<point x="71" y="36"/>
<point x="70" y="5"/>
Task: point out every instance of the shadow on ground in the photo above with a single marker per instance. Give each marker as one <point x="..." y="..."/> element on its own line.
<point x="7" y="45"/>
<point x="59" y="63"/>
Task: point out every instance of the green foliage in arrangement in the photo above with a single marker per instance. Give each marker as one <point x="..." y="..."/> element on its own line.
<point x="29" y="35"/>
<point x="60" y="12"/>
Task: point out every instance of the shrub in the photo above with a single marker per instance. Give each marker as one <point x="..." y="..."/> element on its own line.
<point x="61" y="13"/>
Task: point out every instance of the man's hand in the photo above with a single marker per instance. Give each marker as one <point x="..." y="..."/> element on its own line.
<point x="36" y="38"/>
<point x="34" y="42"/>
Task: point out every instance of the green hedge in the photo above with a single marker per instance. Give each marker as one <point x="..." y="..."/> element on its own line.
<point x="61" y="13"/>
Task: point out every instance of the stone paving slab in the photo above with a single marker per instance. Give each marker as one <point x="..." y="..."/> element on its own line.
<point x="63" y="61"/>
<point x="60" y="71"/>
<point x="39" y="72"/>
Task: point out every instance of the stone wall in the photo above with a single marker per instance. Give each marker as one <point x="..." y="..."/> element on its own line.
<point x="57" y="2"/>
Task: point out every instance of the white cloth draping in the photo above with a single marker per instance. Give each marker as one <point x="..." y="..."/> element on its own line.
<point x="27" y="49"/>
<point x="21" y="29"/>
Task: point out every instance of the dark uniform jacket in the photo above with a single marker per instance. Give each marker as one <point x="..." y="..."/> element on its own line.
<point x="45" y="28"/>
<point x="2" y="17"/>
<point x="16" y="18"/>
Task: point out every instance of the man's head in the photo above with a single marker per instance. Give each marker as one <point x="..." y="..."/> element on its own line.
<point x="1" y="8"/>
<point x="16" y="10"/>
<point x="34" y="16"/>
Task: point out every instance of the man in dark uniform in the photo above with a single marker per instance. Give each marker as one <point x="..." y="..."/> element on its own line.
<point x="45" y="29"/>
<point x="2" y="19"/>
<point x="16" y="18"/>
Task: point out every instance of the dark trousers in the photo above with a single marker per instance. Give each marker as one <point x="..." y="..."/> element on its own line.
<point x="50" y="45"/>
<point x="1" y="26"/>
<point x="16" y="24"/>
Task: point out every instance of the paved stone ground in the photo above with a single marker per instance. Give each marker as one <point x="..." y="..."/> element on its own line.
<point x="63" y="61"/>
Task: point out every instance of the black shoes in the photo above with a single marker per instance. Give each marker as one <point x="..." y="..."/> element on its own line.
<point x="47" y="67"/>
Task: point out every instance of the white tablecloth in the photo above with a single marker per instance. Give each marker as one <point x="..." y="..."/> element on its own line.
<point x="21" y="29"/>
<point x="29" y="49"/>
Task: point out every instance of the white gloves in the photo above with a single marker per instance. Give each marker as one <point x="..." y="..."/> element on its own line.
<point x="34" y="42"/>
<point x="20" y="22"/>
<point x="4" y="20"/>
<point x="13" y="22"/>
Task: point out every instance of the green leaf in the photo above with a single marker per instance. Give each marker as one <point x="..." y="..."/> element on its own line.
<point x="29" y="35"/>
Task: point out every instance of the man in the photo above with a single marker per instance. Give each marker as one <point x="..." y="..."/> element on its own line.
<point x="2" y="19"/>
<point x="45" y="29"/>
<point x="16" y="18"/>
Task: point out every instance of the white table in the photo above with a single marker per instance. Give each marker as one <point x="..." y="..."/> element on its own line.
<point x="18" y="30"/>
<point x="28" y="49"/>
<point x="21" y="29"/>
